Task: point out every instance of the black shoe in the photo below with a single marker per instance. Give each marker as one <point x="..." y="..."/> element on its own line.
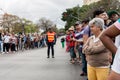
<point x="83" y="74"/>
<point x="53" y="57"/>
<point x="48" y="57"/>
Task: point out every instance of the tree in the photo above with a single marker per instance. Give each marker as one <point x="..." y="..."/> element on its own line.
<point x="44" y="24"/>
<point x="8" y="21"/>
<point x="21" y="25"/>
<point x="71" y="15"/>
<point x="31" y="28"/>
<point x="13" y="23"/>
<point x="54" y="28"/>
<point x="103" y="4"/>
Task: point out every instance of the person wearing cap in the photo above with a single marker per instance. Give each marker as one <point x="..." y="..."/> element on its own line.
<point x="79" y="40"/>
<point x="67" y="40"/>
<point x="113" y="16"/>
<point x="72" y="44"/>
<point x="51" y="41"/>
<point x="97" y="56"/>
<point x="86" y="35"/>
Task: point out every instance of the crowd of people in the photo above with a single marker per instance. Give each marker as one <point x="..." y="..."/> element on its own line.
<point x="11" y="42"/>
<point x="86" y="44"/>
<point x="89" y="42"/>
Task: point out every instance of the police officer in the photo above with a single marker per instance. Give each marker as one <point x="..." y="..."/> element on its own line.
<point x="51" y="41"/>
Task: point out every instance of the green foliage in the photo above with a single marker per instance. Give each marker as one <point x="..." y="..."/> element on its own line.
<point x="44" y="24"/>
<point x="30" y="28"/>
<point x="62" y="30"/>
<point x="71" y="15"/>
<point x="25" y="25"/>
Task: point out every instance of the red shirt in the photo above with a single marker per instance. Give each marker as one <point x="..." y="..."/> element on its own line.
<point x="72" y="43"/>
<point x="67" y="38"/>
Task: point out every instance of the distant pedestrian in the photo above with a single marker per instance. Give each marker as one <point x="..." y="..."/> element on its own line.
<point x="67" y="41"/>
<point x="63" y="42"/>
<point x="51" y="41"/>
<point x="13" y="41"/>
<point x="1" y="42"/>
<point x="72" y="44"/>
<point x="6" y="43"/>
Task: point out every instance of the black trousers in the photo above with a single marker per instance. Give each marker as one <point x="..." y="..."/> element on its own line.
<point x="13" y="47"/>
<point x="50" y="46"/>
<point x="6" y="47"/>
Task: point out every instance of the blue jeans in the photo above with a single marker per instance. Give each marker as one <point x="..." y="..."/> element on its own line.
<point x="41" y="43"/>
<point x="79" y="49"/>
<point x="72" y="52"/>
<point x="84" y="63"/>
<point x="0" y="46"/>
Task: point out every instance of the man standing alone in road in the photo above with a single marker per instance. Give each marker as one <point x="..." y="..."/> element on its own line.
<point x="51" y="41"/>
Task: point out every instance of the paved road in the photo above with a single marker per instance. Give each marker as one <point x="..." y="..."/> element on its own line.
<point x="33" y="65"/>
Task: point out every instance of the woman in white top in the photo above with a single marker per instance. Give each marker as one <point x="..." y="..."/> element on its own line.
<point x="6" y="43"/>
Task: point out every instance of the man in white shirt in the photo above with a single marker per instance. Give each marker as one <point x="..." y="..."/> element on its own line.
<point x="106" y="38"/>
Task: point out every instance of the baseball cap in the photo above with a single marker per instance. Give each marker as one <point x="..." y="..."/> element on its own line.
<point x="77" y="23"/>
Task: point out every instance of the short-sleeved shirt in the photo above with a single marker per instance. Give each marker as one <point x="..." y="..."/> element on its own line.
<point x="6" y="39"/>
<point x="79" y="35"/>
<point x="87" y="31"/>
<point x="116" y="63"/>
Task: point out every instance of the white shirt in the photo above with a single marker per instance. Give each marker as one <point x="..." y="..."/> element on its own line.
<point x="117" y="41"/>
<point x="6" y="39"/>
<point x="95" y="39"/>
<point x="116" y="63"/>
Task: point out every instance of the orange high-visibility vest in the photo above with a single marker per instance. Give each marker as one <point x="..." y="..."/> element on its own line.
<point x="51" y="36"/>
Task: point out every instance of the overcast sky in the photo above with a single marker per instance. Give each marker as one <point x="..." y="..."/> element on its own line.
<point x="35" y="9"/>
